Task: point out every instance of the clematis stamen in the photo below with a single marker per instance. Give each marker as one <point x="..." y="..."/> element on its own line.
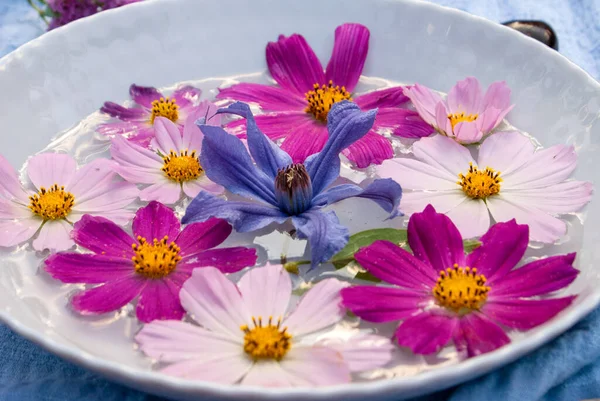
<point x="156" y="259"/>
<point x="293" y="188"/>
<point x="165" y="107"/>
<point x="268" y="341"/>
<point x="182" y="166"/>
<point x="480" y="184"/>
<point x="461" y="289"/>
<point x="322" y="98"/>
<point x="53" y="203"/>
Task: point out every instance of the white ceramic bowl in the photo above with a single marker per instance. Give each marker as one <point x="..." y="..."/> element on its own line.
<point x="54" y="81"/>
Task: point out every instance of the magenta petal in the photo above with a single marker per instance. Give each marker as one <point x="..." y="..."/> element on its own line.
<point x="537" y="278"/>
<point x="392" y="264"/>
<point x="381" y="304"/>
<point x="198" y="237"/>
<point x="155" y="221"/>
<point x="307" y="139"/>
<point x="502" y="248"/>
<point x="144" y="95"/>
<point x="294" y="65"/>
<point x="435" y="240"/>
<point x="88" y="268"/>
<point x="109" y="296"/>
<point x="370" y="149"/>
<point x="389" y="97"/>
<point x="102" y="236"/>
<point x="227" y="260"/>
<point x="405" y="123"/>
<point x="269" y="98"/>
<point x="275" y="125"/>
<point x="124" y="113"/>
<point x="524" y="314"/>
<point x="347" y="60"/>
<point x="186" y="96"/>
<point x="427" y="332"/>
<point x="478" y="335"/>
<point x="159" y="300"/>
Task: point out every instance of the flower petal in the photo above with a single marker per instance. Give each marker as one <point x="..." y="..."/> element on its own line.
<point x="444" y="153"/>
<point x="155" y="221"/>
<point x="10" y="186"/>
<point x="269" y="98"/>
<point x="144" y="95"/>
<point x="13" y="232"/>
<point x="219" y="369"/>
<point x="319" y="308"/>
<point x="467" y="132"/>
<point x="465" y="97"/>
<point x="159" y="300"/>
<point x="164" y="191"/>
<point x="88" y="268"/>
<point x="427" y="332"/>
<point x="502" y="247"/>
<point x="102" y="236"/>
<point x="167" y="135"/>
<point x="382" y="98"/>
<point x="192" y="188"/>
<point x="266" y="292"/>
<point x="227" y="260"/>
<point x="442" y="201"/>
<point x="505" y="152"/>
<point x="54" y="235"/>
<point x="48" y="169"/>
<point x="564" y="197"/>
<point x="350" y="49"/>
<point x="478" y="335"/>
<point x="525" y="314"/>
<point x="305" y="140"/>
<point x="123" y="113"/>
<point x="442" y="122"/>
<point x="274" y="125"/>
<point x="198" y="237"/>
<point x="294" y="65"/>
<point x="381" y="304"/>
<point x="187" y="95"/>
<point x="132" y="155"/>
<point x="361" y="353"/>
<point x="96" y="173"/>
<point x="106" y="196"/>
<point x="471" y="217"/>
<point x="370" y="149"/>
<point x="414" y="174"/>
<point x="108" y="297"/>
<point x="315" y="366"/>
<point x="385" y="192"/>
<point x="405" y="123"/>
<point x="425" y="101"/>
<point x="324" y="232"/>
<point x="497" y="96"/>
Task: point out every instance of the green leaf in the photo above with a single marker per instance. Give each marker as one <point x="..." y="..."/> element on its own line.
<point x="471" y="244"/>
<point x="366" y="238"/>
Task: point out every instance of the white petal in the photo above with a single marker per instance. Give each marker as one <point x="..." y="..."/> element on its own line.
<point x="47" y="169"/>
<point x="268" y="373"/>
<point x="167" y="136"/>
<point x="443" y="152"/>
<point x="364" y="352"/>
<point x="165" y="191"/>
<point x="413" y="174"/>
<point x="127" y="153"/>
<point x="442" y="201"/>
<point x="55" y="236"/>
<point x="471" y="217"/>
<point x="13" y="232"/>
<point x="93" y="175"/>
<point x="565" y="197"/>
<point x="107" y="196"/>
<point x="505" y="152"/>
<point x="221" y="369"/>
<point x="193" y="188"/>
<point x="266" y="291"/>
<point x="10" y="186"/>
<point x="316" y="366"/>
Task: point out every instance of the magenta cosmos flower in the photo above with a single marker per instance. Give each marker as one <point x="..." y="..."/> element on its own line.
<point x="467" y="115"/>
<point x="306" y="93"/>
<point x="248" y="334"/>
<point x="171" y="165"/>
<point x="59" y="195"/>
<point x="441" y="295"/>
<point x="152" y="265"/>
<point x="137" y="122"/>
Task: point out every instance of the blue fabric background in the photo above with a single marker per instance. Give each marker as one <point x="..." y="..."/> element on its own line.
<point x="566" y="369"/>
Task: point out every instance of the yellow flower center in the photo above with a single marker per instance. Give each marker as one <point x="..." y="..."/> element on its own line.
<point x="182" y="167"/>
<point x="52" y="204"/>
<point x="156" y="259"/>
<point x="266" y="342"/>
<point x="165" y="107"/>
<point x="461" y="289"/>
<point x="321" y="99"/>
<point x="461" y="118"/>
<point x="479" y="184"/>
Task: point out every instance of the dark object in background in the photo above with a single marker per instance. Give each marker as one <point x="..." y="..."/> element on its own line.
<point x="537" y="30"/>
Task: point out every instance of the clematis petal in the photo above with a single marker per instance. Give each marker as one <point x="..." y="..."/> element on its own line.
<point x="48" y="169"/>
<point x="427" y="332"/>
<point x="199" y="237"/>
<point x="144" y="95"/>
<point x="88" y="268"/>
<point x="227" y="260"/>
<point x="159" y="300"/>
<point x="102" y="236"/>
<point x="324" y="232"/>
<point x="465" y="97"/>
<point x="123" y="113"/>
<point x="266" y="291"/>
<point x="350" y="49"/>
<point x="382" y="98"/>
<point x="155" y="221"/>
<point x="167" y="136"/>
<point x="13" y="232"/>
<point x="294" y="65"/>
<point x="516" y="148"/>
<point x="525" y="314"/>
<point x="108" y="297"/>
<point x="269" y="98"/>
<point x="478" y="335"/>
<point x="10" y="186"/>
<point x="370" y="149"/>
<point x="274" y="125"/>
<point x="382" y="304"/>
<point x="305" y="140"/>
<point x="186" y="96"/>
<point x="425" y="101"/>
<point x="54" y="235"/>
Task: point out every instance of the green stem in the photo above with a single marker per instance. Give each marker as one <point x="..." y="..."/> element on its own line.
<point x="41" y="12"/>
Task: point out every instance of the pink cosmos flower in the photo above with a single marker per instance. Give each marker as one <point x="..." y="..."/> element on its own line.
<point x="151" y="267"/>
<point x="467" y="115"/>
<point x="171" y="165"/>
<point x="441" y="295"/>
<point x="59" y="195"/>
<point x="248" y="334"/>
<point x="305" y="94"/>
<point x="509" y="180"/>
<point x="137" y="122"/>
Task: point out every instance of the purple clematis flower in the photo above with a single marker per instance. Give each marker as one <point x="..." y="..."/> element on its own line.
<point x="281" y="189"/>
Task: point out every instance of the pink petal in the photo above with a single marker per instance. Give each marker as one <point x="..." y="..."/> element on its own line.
<point x="47" y="169"/>
<point x="227" y="260"/>
<point x="425" y="101"/>
<point x="107" y="196"/>
<point x="89" y="177"/>
<point x="54" y="235"/>
<point x="467" y="132"/>
<point x="564" y="197"/>
<point x="307" y="139"/>
<point x="442" y="201"/>
<point x="443" y="152"/>
<point x="269" y="98"/>
<point x="141" y="175"/>
<point x="197" y="237"/>
<point x="266" y="291"/>
<point x="165" y="191"/>
<point x="542" y="226"/>
<point x="126" y="128"/>
<point x="186" y="96"/>
<point x="525" y="314"/>
<point x="168" y="136"/>
<point x="414" y="174"/>
<point x="294" y="65"/>
<point x="478" y="335"/>
<point x="220" y="369"/>
<point x="131" y="155"/>
<point x="144" y="95"/>
<point x="488" y="120"/>
<point x="192" y="136"/>
<point x="497" y="96"/>
<point x="389" y="97"/>
<point x="442" y="122"/>
<point x="193" y="188"/>
<point x="320" y="307"/>
<point x="215" y="302"/>
<point x="427" y="332"/>
<point x="268" y="373"/>
<point x="471" y="217"/>
<point x="88" y="268"/>
<point x="405" y="123"/>
<point x="315" y="366"/>
<point x="102" y="236"/>
<point x="10" y="186"/>
<point x="465" y="97"/>
<point x="159" y="300"/>
<point x="392" y="264"/>
<point x="370" y="149"/>
<point x="108" y="297"/>
<point x="505" y="152"/>
<point x="364" y="352"/>
<point x="350" y="49"/>
<point x="156" y="221"/>
<point x="10" y="210"/>
<point x="13" y="232"/>
<point x="382" y="304"/>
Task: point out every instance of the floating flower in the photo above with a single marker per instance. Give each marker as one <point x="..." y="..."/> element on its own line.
<point x="60" y="196"/>
<point x="509" y="180"/>
<point x="137" y="122"/>
<point x="279" y="189"/>
<point x="306" y="94"/>
<point x="171" y="165"/>
<point x="466" y="115"/>
<point x="65" y="11"/>
<point x="152" y="266"/>
<point x="441" y="295"/>
<point x="247" y="337"/>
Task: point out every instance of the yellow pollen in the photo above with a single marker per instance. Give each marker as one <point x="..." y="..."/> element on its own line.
<point x="266" y="342"/>
<point x="461" y="118"/>
<point x="320" y="99"/>
<point x="52" y="204"/>
<point x="461" y="289"/>
<point x="165" y="107"/>
<point x="480" y="184"/>
<point x="156" y="259"/>
<point x="182" y="167"/>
